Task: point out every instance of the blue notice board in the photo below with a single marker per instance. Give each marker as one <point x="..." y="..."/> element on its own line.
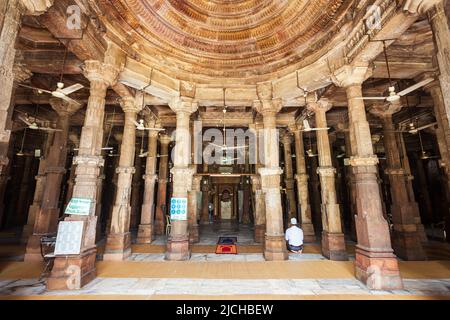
<point x="178" y="209"/>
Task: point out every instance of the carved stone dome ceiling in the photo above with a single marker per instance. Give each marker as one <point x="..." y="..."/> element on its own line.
<point x="230" y="38"/>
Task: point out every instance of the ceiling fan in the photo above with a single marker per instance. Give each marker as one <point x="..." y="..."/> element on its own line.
<point x="31" y="124"/>
<point x="307" y="127"/>
<point x="141" y="126"/>
<point x="393" y="95"/>
<point x="225" y="147"/>
<point x="423" y="154"/>
<point x="61" y="92"/>
<point x="310" y="151"/>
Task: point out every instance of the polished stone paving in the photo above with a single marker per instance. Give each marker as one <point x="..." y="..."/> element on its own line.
<point x="212" y="287"/>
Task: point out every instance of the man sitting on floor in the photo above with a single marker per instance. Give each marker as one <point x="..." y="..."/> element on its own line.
<point x="294" y="237"/>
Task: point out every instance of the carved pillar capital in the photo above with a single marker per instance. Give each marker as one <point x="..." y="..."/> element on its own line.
<point x="287" y="139"/>
<point x="165" y="139"/>
<point x="268" y="107"/>
<point x="36" y="7"/>
<point x="98" y="72"/>
<point x="183" y="105"/>
<point x="350" y="75"/>
<point x="129" y="105"/>
<point x="321" y="106"/>
<point x="418" y="7"/>
<point x="63" y="107"/>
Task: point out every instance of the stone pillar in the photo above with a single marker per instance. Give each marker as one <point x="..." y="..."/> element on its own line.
<point x="376" y="264"/>
<point x="275" y="245"/>
<point x="424" y="195"/>
<point x="136" y="193"/>
<point x="441" y="32"/>
<point x="302" y="186"/>
<point x="260" y="209"/>
<point x="178" y="241"/>
<point x="11" y="17"/>
<point x="34" y="208"/>
<point x="118" y="243"/>
<point x="46" y="221"/>
<point x="409" y="186"/>
<point x="286" y="139"/>
<point x="193" y="197"/>
<point x="259" y="198"/>
<point x="333" y="241"/>
<point x="146" y="232"/>
<point x="443" y="139"/>
<point x="22" y="201"/>
<point x="405" y="236"/>
<point x="163" y="176"/>
<point x="71" y="272"/>
<point x="350" y="180"/>
<point x="204" y="217"/>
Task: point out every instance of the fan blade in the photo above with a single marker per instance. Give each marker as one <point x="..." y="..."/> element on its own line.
<point x="155" y="129"/>
<point x="415" y="87"/>
<point x="236" y="147"/>
<point x="71" y="89"/>
<point x="66" y="98"/>
<point x="216" y="145"/>
<point x="50" y="129"/>
<point x="425" y="127"/>
<point x="136" y="123"/>
<point x="107" y="148"/>
<point x="28" y="123"/>
<point x="143" y="155"/>
<point x="306" y="126"/>
<point x="34" y="88"/>
<point x="371" y="98"/>
<point x="320" y="129"/>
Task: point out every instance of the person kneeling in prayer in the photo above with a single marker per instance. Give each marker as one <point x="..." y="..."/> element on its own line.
<point x="294" y="237"/>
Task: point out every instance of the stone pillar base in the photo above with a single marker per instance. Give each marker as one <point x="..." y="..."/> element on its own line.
<point x="308" y="232"/>
<point x="422" y="234"/>
<point x="33" y="251"/>
<point x="118" y="247"/>
<point x="159" y="228"/>
<point x="73" y="272"/>
<point x="178" y="250"/>
<point x="145" y="234"/>
<point x="275" y="248"/>
<point x="194" y="234"/>
<point x="377" y="270"/>
<point x="27" y="232"/>
<point x="407" y="245"/>
<point x="260" y="233"/>
<point x="333" y="246"/>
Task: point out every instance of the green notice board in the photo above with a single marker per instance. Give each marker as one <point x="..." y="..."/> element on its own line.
<point x="79" y="206"/>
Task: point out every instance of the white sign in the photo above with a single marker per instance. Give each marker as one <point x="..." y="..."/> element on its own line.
<point x="178" y="209"/>
<point x="79" y="206"/>
<point x="68" y="240"/>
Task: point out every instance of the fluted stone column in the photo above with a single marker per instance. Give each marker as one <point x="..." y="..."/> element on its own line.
<point x="409" y="186"/>
<point x="178" y="241"/>
<point x="441" y="31"/>
<point x="275" y="245"/>
<point x="71" y="272"/>
<point x="376" y="264"/>
<point x="302" y="178"/>
<point x="258" y="193"/>
<point x="11" y="16"/>
<point x="351" y="184"/>
<point x="34" y="208"/>
<point x="118" y="243"/>
<point x="46" y="220"/>
<point x="163" y="176"/>
<point x="260" y="209"/>
<point x="333" y="242"/>
<point x="405" y="236"/>
<point x="204" y="217"/>
<point x="289" y="175"/>
<point x="136" y="193"/>
<point x="145" y="231"/>
<point x="443" y="139"/>
<point x="193" y="198"/>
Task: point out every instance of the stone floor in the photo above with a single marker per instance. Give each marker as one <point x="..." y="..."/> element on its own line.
<point x="224" y="287"/>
